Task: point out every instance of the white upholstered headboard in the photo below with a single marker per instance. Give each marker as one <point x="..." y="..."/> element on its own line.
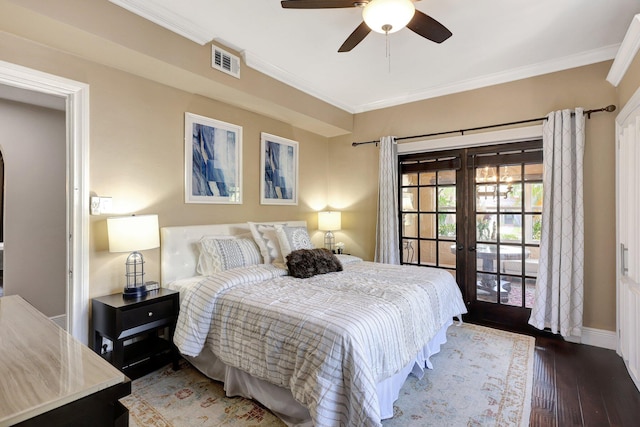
<point x="178" y="250"/>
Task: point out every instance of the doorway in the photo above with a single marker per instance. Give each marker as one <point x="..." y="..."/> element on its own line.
<point x="477" y="213"/>
<point x="76" y="96"/>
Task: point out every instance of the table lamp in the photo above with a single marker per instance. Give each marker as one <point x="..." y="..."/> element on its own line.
<point x="133" y="234"/>
<point x="329" y="221"/>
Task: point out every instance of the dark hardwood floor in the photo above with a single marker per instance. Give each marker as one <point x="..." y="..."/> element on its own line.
<point x="581" y="385"/>
<point x="577" y="384"/>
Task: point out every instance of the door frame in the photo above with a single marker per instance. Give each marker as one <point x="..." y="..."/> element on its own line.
<point x="76" y="95"/>
<point x="630" y="110"/>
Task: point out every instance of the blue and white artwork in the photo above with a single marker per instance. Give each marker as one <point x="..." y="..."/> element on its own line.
<point x="213" y="163"/>
<point x="279" y="170"/>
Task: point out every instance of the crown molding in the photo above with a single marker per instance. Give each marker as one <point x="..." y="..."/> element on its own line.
<point x="627" y="52"/>
<point x="578" y="60"/>
<point x="157" y="14"/>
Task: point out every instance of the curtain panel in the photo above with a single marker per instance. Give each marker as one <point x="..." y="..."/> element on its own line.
<point x="387" y="232"/>
<point x="559" y="287"/>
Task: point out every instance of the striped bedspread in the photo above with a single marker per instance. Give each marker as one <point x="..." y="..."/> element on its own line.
<point x="329" y="339"/>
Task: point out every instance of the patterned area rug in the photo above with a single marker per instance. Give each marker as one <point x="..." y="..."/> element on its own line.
<point x="482" y="377"/>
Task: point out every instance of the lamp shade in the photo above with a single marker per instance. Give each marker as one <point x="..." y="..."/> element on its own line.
<point x="388" y="16"/>
<point x="133" y="233"/>
<point x="329" y="221"/>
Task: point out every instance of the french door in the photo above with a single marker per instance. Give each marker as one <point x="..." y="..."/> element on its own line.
<point x="477" y="213"/>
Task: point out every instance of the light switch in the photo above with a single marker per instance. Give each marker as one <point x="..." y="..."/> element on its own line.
<point x="105" y="205"/>
<point x="101" y="205"/>
<point x="95" y="205"/>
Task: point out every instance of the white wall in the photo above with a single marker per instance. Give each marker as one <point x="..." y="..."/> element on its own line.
<point x="32" y="140"/>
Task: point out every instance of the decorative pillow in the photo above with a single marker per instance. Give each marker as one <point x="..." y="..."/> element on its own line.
<point x="267" y="240"/>
<point x="304" y="263"/>
<point x="223" y="253"/>
<point x="293" y="238"/>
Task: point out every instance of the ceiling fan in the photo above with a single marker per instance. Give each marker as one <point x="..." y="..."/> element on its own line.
<point x="382" y="16"/>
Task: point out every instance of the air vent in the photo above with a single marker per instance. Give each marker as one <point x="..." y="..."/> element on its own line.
<point x="225" y="62"/>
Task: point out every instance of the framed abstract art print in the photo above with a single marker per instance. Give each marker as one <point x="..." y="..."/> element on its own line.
<point x="213" y="161"/>
<point x="278" y="170"/>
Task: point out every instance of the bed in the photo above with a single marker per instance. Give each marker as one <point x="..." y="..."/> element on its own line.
<point x="327" y="350"/>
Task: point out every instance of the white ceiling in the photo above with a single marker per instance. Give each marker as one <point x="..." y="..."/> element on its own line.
<point x="494" y="41"/>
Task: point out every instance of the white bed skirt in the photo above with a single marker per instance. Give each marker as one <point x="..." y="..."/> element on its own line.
<point x="280" y="400"/>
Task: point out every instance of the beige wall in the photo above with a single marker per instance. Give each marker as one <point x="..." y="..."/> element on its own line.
<point x="354" y="187"/>
<point x="137" y="158"/>
<point x="33" y="141"/>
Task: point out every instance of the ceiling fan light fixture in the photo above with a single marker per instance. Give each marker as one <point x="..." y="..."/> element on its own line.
<point x="388" y="16"/>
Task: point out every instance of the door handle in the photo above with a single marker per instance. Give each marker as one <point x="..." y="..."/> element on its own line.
<point x="623" y="264"/>
<point x="472" y="248"/>
<point x="460" y="247"/>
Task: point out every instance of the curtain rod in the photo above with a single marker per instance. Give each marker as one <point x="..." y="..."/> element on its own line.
<point x="608" y="108"/>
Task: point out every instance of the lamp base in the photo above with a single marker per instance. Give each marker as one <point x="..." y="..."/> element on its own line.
<point x="329" y="241"/>
<point x="136" y="292"/>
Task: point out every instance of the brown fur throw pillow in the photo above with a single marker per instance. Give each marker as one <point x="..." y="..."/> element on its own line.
<point x="304" y="263"/>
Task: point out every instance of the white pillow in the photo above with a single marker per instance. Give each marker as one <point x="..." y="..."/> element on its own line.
<point x="220" y="253"/>
<point x="265" y="237"/>
<point x="293" y="238"/>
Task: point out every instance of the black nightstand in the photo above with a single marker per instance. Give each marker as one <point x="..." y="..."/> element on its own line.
<point x="119" y="319"/>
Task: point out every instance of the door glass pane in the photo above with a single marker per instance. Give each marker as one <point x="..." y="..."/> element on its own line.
<point x="533" y="172"/>
<point x="510" y="197"/>
<point x="486" y="174"/>
<point x="427" y="199"/>
<point x="447" y="199"/>
<point x="510" y="173"/>
<point x="409" y="179"/>
<point x="427" y="226"/>
<point x="409" y="225"/>
<point x="512" y="290"/>
<point x="447" y="177"/>
<point x="529" y="292"/>
<point x="428" y="252"/>
<point x="447" y="226"/>
<point x="532" y="261"/>
<point x="447" y="254"/>
<point x="533" y="228"/>
<point x="487" y="255"/>
<point x="486" y="228"/>
<point x="427" y="178"/>
<point x="487" y="290"/>
<point x="511" y="228"/>
<point x="409" y="199"/>
<point x="408" y="251"/>
<point x="533" y="197"/>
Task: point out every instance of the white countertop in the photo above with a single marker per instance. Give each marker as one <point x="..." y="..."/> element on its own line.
<point x="42" y="367"/>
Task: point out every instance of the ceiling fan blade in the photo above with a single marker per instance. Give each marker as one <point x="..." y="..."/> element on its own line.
<point x="317" y="4"/>
<point x="356" y="37"/>
<point x="428" y="27"/>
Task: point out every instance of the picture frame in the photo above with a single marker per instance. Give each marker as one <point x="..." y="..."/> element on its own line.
<point x="213" y="160"/>
<point x="278" y="170"/>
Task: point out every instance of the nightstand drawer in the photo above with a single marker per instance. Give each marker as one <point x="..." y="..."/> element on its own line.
<point x="147" y="314"/>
